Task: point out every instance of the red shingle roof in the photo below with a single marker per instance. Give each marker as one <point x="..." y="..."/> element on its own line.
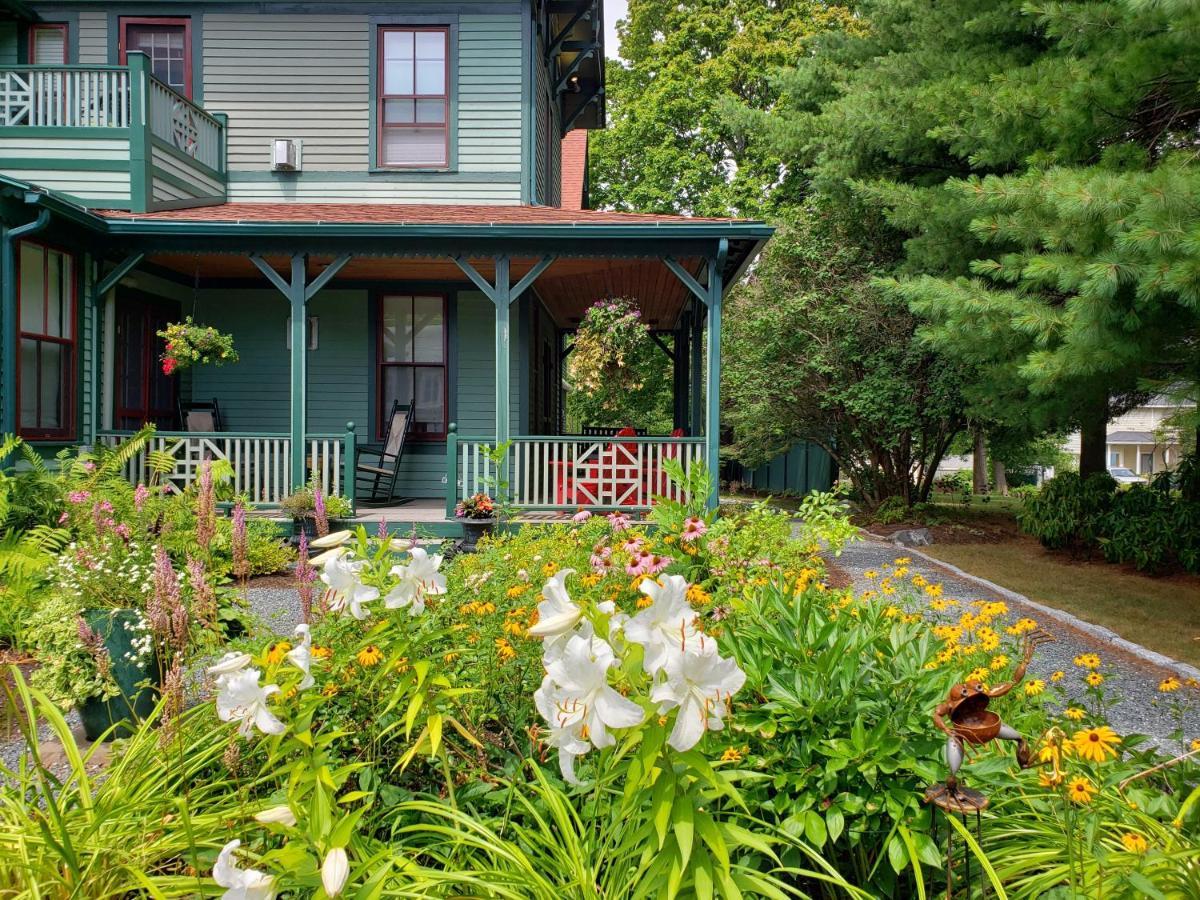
<point x="401" y="214"/>
<point x="574" y="168"/>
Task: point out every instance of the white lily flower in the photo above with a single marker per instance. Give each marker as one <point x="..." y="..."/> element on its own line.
<point x="565" y="729"/>
<point x="666" y="626"/>
<point x="241" y="884"/>
<point x="417" y="579"/>
<point x="276" y="815"/>
<point x="229" y="664"/>
<point x="341" y="574"/>
<point x="300" y="656"/>
<point x="557" y="613"/>
<point x="575" y="697"/>
<point x="243" y="699"/>
<point x="333" y="539"/>
<point x="400" y="545"/>
<point x="334" y="871"/>
<point x="701" y="683"/>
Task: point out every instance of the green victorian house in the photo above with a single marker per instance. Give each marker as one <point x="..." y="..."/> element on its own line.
<point x="383" y="203"/>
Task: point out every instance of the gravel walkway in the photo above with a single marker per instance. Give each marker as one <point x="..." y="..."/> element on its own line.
<point x="1139" y="707"/>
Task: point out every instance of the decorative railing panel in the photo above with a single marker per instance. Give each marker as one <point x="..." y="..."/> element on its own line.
<point x="183" y="125"/>
<point x="65" y="97"/>
<point x="567" y="473"/>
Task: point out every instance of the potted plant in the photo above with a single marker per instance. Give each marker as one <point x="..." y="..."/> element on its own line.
<point x="478" y="515"/>
<point x="189" y="344"/>
<point x="315" y="513"/>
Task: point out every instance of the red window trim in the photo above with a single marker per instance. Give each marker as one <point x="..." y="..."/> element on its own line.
<point x="43" y="26"/>
<point x="125" y="21"/>
<point x="381" y="96"/>
<point x="68" y="432"/>
<point x="444" y="365"/>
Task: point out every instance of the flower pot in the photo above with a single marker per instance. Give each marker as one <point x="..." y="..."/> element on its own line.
<point x="136" y="675"/>
<point x="473" y="530"/>
<point x="306" y="526"/>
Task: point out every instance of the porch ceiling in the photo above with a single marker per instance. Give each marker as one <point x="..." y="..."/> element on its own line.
<point x="568" y="287"/>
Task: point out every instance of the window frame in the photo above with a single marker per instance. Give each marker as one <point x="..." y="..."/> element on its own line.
<point x="64" y="27"/>
<point x="69" y="430"/>
<point x="123" y="23"/>
<point x="444" y="365"/>
<point x="381" y="98"/>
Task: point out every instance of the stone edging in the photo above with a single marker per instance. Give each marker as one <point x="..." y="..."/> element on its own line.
<point x="1097" y="631"/>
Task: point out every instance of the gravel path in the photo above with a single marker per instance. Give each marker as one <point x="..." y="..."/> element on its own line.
<point x="1139" y="707"/>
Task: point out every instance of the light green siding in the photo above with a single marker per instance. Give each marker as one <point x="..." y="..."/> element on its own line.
<point x="35" y="159"/>
<point x="476" y="394"/>
<point x="93" y="37"/>
<point x="177" y="180"/>
<point x="489" y="94"/>
<point x="8" y="44"/>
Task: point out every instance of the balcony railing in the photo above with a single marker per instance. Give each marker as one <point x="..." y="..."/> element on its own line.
<point x="143" y="142"/>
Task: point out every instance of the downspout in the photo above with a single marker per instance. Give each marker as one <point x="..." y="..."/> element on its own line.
<point x="8" y="313"/>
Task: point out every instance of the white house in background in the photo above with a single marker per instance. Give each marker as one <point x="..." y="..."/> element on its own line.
<point x="1140" y="440"/>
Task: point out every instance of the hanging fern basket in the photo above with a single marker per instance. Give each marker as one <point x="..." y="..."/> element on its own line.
<point x="189" y="344"/>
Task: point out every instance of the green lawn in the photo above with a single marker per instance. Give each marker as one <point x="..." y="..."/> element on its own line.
<point x="1160" y="613"/>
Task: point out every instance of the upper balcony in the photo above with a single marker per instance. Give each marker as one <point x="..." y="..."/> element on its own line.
<point x="111" y="137"/>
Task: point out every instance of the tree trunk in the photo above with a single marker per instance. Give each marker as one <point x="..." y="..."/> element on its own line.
<point x="1000" y="477"/>
<point x="979" y="480"/>
<point x="1093" y="438"/>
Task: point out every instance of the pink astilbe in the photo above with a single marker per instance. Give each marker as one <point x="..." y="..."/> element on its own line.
<point x="241" y="560"/>
<point x="160" y="609"/>
<point x="141" y="494"/>
<point x="204" y="596"/>
<point x="93" y="643"/>
<point x="319" y="515"/>
<point x="206" y="507"/>
<point x="172" y="693"/>
<point x="382" y="531"/>
<point x="305" y="576"/>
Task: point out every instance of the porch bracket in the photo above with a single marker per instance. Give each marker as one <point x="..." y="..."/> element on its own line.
<point x="579" y="111"/>
<point x="531" y="276"/>
<point x="685" y="276"/>
<point x="575" y="65"/>
<point x="272" y="276"/>
<point x="109" y="281"/>
<point x="325" y="277"/>
<point x="662" y="345"/>
<point x="471" y="272"/>
<point x="556" y="44"/>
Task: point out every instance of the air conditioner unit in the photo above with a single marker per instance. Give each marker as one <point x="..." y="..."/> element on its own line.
<point x="285" y="155"/>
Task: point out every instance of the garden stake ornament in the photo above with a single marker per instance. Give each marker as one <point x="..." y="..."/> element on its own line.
<point x="971" y="722"/>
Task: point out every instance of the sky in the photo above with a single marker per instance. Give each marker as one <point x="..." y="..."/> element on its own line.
<point x="613" y="10"/>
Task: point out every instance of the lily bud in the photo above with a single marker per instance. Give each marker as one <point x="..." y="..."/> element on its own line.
<point x="276" y="815"/>
<point x="335" y="871"/>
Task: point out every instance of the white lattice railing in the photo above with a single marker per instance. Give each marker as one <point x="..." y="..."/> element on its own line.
<point x="65" y="97"/>
<point x="567" y="473"/>
<point x="183" y="125"/>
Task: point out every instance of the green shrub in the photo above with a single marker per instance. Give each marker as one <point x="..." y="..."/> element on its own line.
<point x="891" y="511"/>
<point x="1068" y="512"/>
<point x="1024" y="492"/>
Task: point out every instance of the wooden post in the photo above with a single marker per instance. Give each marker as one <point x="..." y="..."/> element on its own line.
<point x="502" y="300"/>
<point x="140" y="188"/>
<point x="299" y="399"/>
<point x="712" y="425"/>
<point x="451" y="469"/>
<point x="349" y="449"/>
<point x="696" y="345"/>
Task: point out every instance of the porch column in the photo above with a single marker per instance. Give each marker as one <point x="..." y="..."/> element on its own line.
<point x="679" y="372"/>
<point x="502" y="300"/>
<point x="697" y="351"/>
<point x="299" y="392"/>
<point x="712" y="425"/>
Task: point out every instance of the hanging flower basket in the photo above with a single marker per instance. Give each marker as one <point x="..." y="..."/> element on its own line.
<point x="610" y="345"/>
<point x="189" y="344"/>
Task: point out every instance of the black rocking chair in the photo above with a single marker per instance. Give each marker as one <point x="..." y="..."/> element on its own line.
<point x="376" y="466"/>
<point x="200" y="415"/>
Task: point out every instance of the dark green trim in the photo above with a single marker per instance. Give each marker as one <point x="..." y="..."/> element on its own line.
<point x="139" y="150"/>
<point x="65" y="165"/>
<point x="174" y="151"/>
<point x="451" y="357"/>
<point x="405" y="175"/>
<point x="8" y="314"/>
<point x="53" y="131"/>
<point x="447" y="20"/>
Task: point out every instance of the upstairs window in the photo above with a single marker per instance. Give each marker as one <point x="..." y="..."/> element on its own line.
<point x="414" y="98"/>
<point x="46" y="342"/>
<point x="168" y="45"/>
<point x="48" y="45"/>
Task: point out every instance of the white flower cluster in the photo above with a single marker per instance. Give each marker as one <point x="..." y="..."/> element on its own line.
<point x="141" y="640"/>
<point x="104" y="569"/>
<point x="342" y="574"/>
<point x="686" y="671"/>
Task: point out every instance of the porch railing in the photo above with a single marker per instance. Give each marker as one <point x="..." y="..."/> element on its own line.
<point x="261" y="463"/>
<point x="65" y="96"/>
<point x="183" y="125"/>
<point x="569" y="472"/>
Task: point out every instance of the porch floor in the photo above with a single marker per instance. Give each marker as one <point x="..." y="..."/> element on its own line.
<point x="426" y="514"/>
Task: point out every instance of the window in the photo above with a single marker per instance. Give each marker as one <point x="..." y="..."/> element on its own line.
<point x="1114" y="458"/>
<point x="47" y="45"/>
<point x="167" y="43"/>
<point x="414" y="98"/>
<point x="46" y="339"/>
<point x="412" y="361"/>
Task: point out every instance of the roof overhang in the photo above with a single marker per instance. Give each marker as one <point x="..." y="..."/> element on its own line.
<point x="15" y="9"/>
<point x="575" y="53"/>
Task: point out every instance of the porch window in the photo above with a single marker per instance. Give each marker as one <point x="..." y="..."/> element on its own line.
<point x="48" y="44"/>
<point x="412" y="361"/>
<point x="46" y="339"/>
<point x="414" y="97"/>
<point x="167" y="43"/>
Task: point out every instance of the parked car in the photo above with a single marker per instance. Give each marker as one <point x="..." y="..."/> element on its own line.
<point x="1126" y="476"/>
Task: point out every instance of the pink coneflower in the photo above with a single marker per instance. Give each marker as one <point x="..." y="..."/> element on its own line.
<point x="632" y="546"/>
<point x="141" y="494"/>
<point x="647" y="563"/>
<point x="319" y="516"/>
<point x="582" y="516"/>
<point x="241" y="562"/>
<point x="693" y="528"/>
<point x="618" y="521"/>
<point x="601" y="560"/>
